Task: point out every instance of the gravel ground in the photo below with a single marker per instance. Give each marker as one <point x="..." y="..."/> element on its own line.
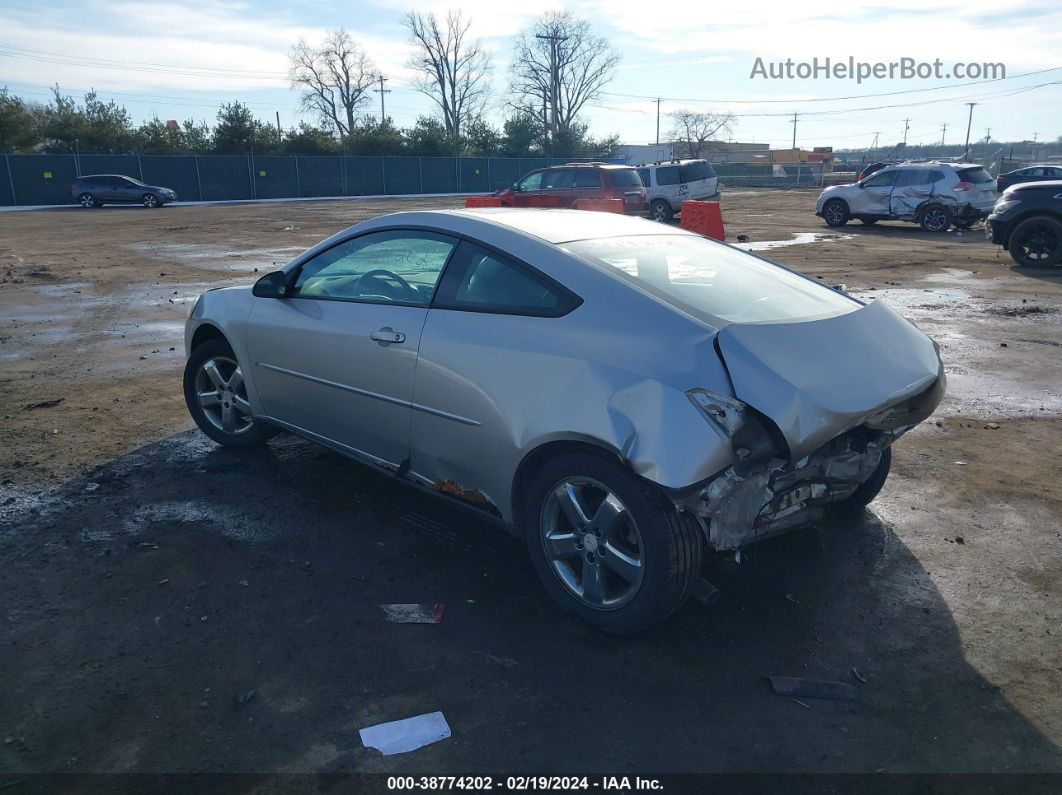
<point x="150" y="578"/>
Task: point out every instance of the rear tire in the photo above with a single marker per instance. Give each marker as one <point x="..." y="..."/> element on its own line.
<point x="624" y="559"/>
<point x="935" y="218"/>
<point x="661" y="211"/>
<point x="216" y="396"/>
<point x="869" y="489"/>
<point x="1036" y="242"/>
<point x="835" y="212"/>
<point x="87" y="200"/>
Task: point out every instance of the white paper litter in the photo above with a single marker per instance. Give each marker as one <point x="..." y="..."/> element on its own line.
<point x="409" y="734"/>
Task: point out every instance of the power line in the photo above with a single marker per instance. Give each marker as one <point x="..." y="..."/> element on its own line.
<point x="835" y="99"/>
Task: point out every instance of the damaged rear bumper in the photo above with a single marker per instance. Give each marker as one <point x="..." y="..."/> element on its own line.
<point x="753" y="500"/>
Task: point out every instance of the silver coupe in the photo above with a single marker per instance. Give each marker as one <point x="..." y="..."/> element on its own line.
<point x="623" y="395"/>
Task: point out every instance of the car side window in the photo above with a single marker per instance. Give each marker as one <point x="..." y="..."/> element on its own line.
<point x="643" y="173"/>
<point x="532" y="181"/>
<point x="936" y="176"/>
<point x="480" y="280"/>
<point x="587" y="178"/>
<point x="1034" y="172"/>
<point x="559" y="179"/>
<point x="912" y="176"/>
<point x="396" y="266"/>
<point x="668" y="175"/>
<point x="882" y="179"/>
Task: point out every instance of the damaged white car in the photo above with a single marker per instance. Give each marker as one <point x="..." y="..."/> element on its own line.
<point x="932" y="194"/>
<point x="622" y="395"/>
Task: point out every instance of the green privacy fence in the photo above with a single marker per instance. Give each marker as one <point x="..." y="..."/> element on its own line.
<point x="46" y="179"/>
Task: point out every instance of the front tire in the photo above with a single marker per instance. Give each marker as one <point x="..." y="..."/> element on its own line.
<point x="607" y="545"/>
<point x="835" y="213"/>
<point x="1036" y="242"/>
<point x="216" y="396"/>
<point x="150" y="200"/>
<point x="661" y="211"/>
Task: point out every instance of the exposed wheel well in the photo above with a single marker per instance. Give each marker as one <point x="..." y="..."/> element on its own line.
<point x="534" y="460"/>
<point x="205" y="333"/>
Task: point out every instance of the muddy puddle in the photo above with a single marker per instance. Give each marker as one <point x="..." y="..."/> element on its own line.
<point x="798" y="239"/>
<point x="218" y="257"/>
<point x="981" y="342"/>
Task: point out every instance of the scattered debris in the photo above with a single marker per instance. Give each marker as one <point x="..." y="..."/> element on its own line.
<point x="991" y="426"/>
<point x="801" y="703"/>
<point x="790" y="598"/>
<point x="44" y="404"/>
<point x="742" y="238"/>
<point x="244" y="583"/>
<point x="91" y="486"/>
<point x="960" y="540"/>
<point x="857" y="675"/>
<point x="163" y="581"/>
<point x="409" y="734"/>
<point x="705" y="592"/>
<point x="242" y="699"/>
<point x="414" y="613"/>
<point x="792" y="687"/>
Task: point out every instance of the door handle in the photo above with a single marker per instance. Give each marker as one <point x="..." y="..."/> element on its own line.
<point x="386" y="335"/>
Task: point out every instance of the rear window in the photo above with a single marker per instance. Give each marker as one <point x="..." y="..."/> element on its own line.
<point x="712" y="280"/>
<point x="625" y="178"/>
<point x="587" y="178"/>
<point x="697" y="170"/>
<point x="975" y="175"/>
<point x="668" y="175"/>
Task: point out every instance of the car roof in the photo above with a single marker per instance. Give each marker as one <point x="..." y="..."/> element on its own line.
<point x="546" y="225"/>
<point x="1044" y="184"/>
<point x="586" y="165"/>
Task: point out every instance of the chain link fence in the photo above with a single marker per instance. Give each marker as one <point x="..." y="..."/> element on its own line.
<point x="46" y="179"/>
<point x="770" y="175"/>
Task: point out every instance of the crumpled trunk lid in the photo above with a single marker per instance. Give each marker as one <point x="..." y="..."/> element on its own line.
<point x="817" y="379"/>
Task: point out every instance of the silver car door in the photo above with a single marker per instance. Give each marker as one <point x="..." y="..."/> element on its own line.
<point x="914" y="186"/>
<point x="873" y="198"/>
<point x="470" y="397"/>
<point x="336" y="359"/>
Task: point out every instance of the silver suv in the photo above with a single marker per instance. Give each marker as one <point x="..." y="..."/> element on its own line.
<point x="932" y="194"/>
<point x="671" y="182"/>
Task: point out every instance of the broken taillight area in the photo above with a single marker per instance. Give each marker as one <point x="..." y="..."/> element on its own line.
<point x="742" y="505"/>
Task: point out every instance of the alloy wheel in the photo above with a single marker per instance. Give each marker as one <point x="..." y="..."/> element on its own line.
<point x="1039" y="243"/>
<point x="222" y="395"/>
<point x="86" y="200"/>
<point x="149" y="200"/>
<point x="935" y="220"/>
<point x="834" y="213"/>
<point x="592" y="543"/>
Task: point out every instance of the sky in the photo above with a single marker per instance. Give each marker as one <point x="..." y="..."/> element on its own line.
<point x="181" y="60"/>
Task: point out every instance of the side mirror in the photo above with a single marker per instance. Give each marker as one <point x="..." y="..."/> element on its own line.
<point x="272" y="285"/>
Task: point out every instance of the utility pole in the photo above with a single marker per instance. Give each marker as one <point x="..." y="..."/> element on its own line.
<point x="794" y="123"/>
<point x="1034" y="137"/>
<point x="943" y="132"/>
<point x="906" y="127"/>
<point x="658" y="121"/>
<point x="969" y="121"/>
<point x="381" y="91"/>
<point x="988" y="135"/>
<point x="554" y="40"/>
<point x="280" y="133"/>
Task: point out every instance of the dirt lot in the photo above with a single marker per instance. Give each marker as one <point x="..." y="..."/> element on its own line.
<point x="149" y="577"/>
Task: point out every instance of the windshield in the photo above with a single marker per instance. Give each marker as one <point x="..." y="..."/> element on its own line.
<point x="710" y="279"/>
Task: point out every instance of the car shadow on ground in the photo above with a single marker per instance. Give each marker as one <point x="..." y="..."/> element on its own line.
<point x="146" y="601"/>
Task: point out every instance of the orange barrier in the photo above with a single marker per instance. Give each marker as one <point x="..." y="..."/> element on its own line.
<point x="704" y="218"/>
<point x="483" y="201"/>
<point x="601" y="205"/>
<point x="549" y="202"/>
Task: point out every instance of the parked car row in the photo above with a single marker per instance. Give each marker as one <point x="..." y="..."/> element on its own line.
<point x="1025" y="219"/>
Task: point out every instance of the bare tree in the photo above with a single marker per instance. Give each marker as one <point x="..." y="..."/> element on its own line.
<point x="453" y="72"/>
<point x="696" y="128"/>
<point x="561" y="65"/>
<point x="335" y="78"/>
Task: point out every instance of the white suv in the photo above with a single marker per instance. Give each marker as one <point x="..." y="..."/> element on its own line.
<point x="669" y="183"/>
<point x="932" y="194"/>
